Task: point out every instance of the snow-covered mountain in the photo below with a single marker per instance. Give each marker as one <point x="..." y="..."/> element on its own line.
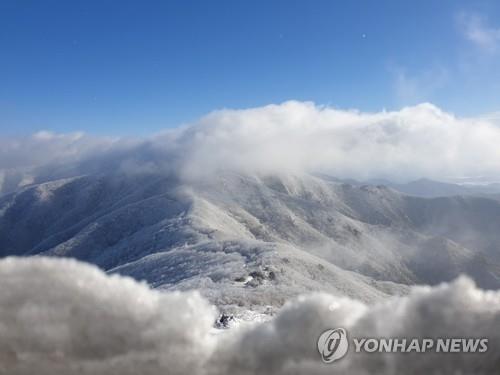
<point x="250" y="242"/>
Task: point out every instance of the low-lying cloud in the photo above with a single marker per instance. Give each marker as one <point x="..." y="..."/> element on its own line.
<point x="60" y="316"/>
<point x="419" y="141"/>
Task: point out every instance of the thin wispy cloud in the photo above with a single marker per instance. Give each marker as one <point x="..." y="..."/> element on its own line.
<point x="412" y="88"/>
<point x="478" y="31"/>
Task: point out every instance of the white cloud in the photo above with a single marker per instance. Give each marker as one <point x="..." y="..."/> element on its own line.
<point x="64" y="317"/>
<point x="45" y="147"/>
<point x="294" y="136"/>
<point x="419" y="141"/>
<point x="477" y="31"/>
<point x="493" y="117"/>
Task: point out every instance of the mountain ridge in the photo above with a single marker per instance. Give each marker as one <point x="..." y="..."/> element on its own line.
<point x="255" y="239"/>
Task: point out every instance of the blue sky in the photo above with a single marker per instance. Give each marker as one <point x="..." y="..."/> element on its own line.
<point x="136" y="67"/>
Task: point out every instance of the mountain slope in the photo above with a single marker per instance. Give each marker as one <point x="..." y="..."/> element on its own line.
<point x="253" y="241"/>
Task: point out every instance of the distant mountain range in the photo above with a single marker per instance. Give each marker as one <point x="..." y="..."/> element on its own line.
<point x="425" y="187"/>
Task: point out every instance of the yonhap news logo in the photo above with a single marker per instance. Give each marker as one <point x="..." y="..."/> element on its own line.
<point x="333" y="344"/>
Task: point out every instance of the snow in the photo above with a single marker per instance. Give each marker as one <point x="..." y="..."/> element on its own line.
<point x="300" y="232"/>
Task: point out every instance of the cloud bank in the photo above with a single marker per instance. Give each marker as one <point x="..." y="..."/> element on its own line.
<point x="419" y="141"/>
<point x="60" y="316"/>
<point x="411" y="143"/>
